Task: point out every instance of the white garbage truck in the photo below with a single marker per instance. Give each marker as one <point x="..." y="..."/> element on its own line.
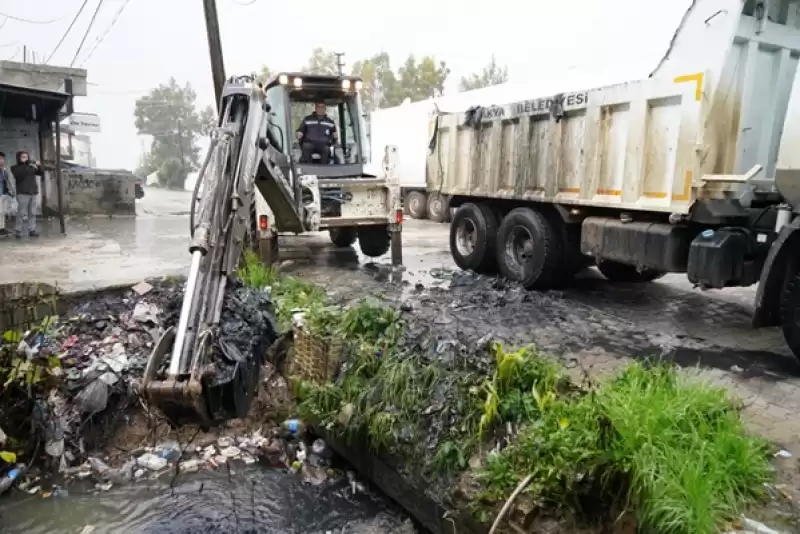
<point x="675" y="173"/>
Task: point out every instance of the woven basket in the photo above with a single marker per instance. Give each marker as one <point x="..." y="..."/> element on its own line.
<point x="314" y="358"/>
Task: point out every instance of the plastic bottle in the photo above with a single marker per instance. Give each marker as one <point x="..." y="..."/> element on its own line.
<point x="9" y="478"/>
<point x="294" y="426"/>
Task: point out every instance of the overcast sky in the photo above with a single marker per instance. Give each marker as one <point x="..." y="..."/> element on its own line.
<point x="152" y="40"/>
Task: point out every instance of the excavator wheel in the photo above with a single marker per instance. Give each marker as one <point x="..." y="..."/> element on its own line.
<point x="343" y="237"/>
<point x="374" y="240"/>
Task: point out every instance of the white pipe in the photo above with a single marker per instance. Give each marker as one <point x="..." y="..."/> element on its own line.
<point x="186" y="308"/>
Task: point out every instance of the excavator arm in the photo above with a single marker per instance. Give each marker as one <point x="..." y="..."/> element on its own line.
<point x="177" y="377"/>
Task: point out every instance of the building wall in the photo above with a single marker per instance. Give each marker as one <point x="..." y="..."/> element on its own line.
<point x="100" y="192"/>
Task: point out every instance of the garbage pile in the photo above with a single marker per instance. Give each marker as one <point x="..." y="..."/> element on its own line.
<point x="76" y="371"/>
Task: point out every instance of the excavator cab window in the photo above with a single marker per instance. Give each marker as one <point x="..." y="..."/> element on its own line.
<point x="291" y="101"/>
<point x="341" y="109"/>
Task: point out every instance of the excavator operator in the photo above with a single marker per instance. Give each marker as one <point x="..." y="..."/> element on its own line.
<point x="316" y="134"/>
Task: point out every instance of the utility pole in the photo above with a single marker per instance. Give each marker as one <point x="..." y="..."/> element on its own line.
<point x="214" y="48"/>
<point x="339" y="62"/>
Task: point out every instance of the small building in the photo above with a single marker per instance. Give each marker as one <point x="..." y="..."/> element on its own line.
<point x="34" y="100"/>
<point x="76" y="148"/>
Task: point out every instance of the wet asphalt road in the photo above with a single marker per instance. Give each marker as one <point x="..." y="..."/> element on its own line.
<point x="595" y="325"/>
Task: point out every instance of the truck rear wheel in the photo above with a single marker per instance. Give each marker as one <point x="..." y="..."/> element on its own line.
<point x="438" y="207"/>
<point x="790" y="315"/>
<point x="621" y="272"/>
<point x="373" y="240"/>
<point x="473" y="238"/>
<point x="529" y="249"/>
<point x="343" y="237"/>
<point x="417" y="204"/>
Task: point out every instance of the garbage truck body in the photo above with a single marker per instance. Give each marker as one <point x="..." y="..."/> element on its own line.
<point x="677" y="172"/>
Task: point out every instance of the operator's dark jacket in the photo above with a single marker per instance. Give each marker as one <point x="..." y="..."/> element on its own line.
<point x="317" y="129"/>
<point x="25" y="176"/>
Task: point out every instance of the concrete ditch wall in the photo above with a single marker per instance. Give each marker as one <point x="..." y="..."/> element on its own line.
<point x="24" y="305"/>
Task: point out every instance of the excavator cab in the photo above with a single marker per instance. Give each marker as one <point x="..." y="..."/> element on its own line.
<point x="291" y="97"/>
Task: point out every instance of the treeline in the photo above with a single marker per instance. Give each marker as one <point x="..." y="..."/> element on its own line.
<point x="415" y="79"/>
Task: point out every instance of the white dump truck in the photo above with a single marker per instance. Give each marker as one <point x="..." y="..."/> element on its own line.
<point x="673" y="173"/>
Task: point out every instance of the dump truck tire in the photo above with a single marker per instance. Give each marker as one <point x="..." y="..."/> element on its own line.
<point x="529" y="249"/>
<point x="374" y="240"/>
<point x="417" y="204"/>
<point x="473" y="238"/>
<point x="343" y="237"/>
<point x="438" y="207"/>
<point x="621" y="272"/>
<point x="790" y="315"/>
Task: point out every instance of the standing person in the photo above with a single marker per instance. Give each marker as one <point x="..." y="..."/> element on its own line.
<point x="6" y="191"/>
<point x="25" y="175"/>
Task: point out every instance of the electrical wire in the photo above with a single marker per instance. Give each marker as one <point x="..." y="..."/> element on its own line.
<point x="100" y="39"/>
<point x="86" y="34"/>
<point x="69" y="29"/>
<point x="21" y="19"/>
<point x="3" y="23"/>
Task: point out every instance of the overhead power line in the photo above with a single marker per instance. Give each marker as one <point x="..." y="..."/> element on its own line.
<point x="100" y="39"/>
<point x="29" y="21"/>
<point x="69" y="29"/>
<point x="86" y="33"/>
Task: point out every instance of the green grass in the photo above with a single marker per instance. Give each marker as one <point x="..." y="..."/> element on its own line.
<point x="687" y="463"/>
<point x="672" y="450"/>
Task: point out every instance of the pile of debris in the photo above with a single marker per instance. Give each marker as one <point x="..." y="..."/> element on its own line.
<point x="79" y="369"/>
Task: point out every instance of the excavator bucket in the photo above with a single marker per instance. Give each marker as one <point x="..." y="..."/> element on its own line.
<point x="207" y="395"/>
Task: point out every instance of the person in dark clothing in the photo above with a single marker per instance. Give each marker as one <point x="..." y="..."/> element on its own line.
<point x="316" y="134"/>
<point x="25" y="177"/>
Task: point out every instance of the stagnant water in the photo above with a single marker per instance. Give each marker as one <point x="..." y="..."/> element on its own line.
<point x="253" y="500"/>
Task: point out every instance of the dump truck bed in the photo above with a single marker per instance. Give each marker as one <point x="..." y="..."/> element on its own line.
<point x="712" y="112"/>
